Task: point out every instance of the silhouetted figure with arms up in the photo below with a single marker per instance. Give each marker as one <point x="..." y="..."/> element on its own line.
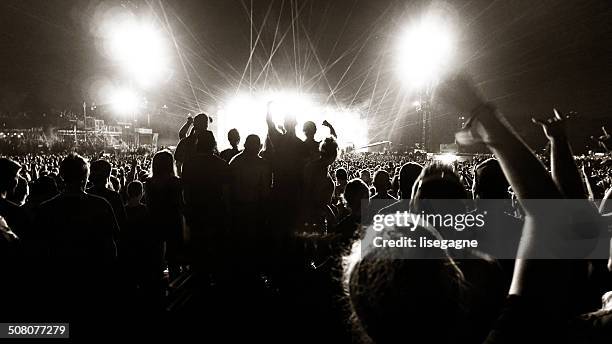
<point x="206" y="191"/>
<point x="187" y="144"/>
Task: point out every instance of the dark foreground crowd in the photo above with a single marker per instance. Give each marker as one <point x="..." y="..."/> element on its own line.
<point x="263" y="242"/>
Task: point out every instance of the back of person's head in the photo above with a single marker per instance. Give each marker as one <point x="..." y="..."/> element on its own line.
<point x="74" y="170"/>
<point x="9" y="169"/>
<point x="438" y="181"/>
<point x="382" y="182"/>
<point x="200" y="122"/>
<point x="426" y="298"/>
<point x="206" y="143"/>
<point x="100" y="171"/>
<point x="20" y="192"/>
<point x="44" y="188"/>
<point x="310" y="129"/>
<point x="341" y="175"/>
<point x="355" y="192"/>
<point x="408" y="174"/>
<point x="163" y="165"/>
<point x="329" y="149"/>
<point x="290" y="122"/>
<point x="365" y="176"/>
<point x="233" y="137"/>
<point x="134" y="189"/>
<point x="252" y="144"/>
<point x="490" y="181"/>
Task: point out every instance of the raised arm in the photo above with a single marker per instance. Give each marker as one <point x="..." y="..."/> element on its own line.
<point x="565" y="173"/>
<point x="185" y="128"/>
<point x="529" y="180"/>
<point x="332" y="131"/>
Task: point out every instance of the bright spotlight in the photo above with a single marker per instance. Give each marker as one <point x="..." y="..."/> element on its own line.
<point x="124" y="101"/>
<point x="447" y="159"/>
<point x="426" y="50"/>
<point x="139" y="48"/>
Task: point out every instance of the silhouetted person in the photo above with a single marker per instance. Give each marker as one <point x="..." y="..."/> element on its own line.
<point x="99" y="178"/>
<point x="206" y="189"/>
<point x="287" y="155"/>
<point x="20" y="192"/>
<point x="187" y="145"/>
<point x="234" y="139"/>
<point x="409" y="173"/>
<point x="143" y="248"/>
<point x="311" y="145"/>
<point x="164" y="200"/>
<point x="251" y="181"/>
<point x="78" y="230"/>
<point x="14" y="216"/>
<point x="319" y="187"/>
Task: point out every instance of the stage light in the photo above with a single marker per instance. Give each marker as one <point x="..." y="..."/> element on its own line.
<point x="139" y="48"/>
<point x="425" y="50"/>
<point x="247" y="113"/>
<point x="124" y="101"/>
<point x="447" y="159"/>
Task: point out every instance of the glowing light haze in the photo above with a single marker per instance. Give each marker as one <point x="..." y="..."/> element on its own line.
<point x="426" y="50"/>
<point x="139" y="48"/>
<point x="247" y="113"/>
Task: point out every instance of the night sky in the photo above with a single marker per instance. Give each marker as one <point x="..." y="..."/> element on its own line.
<point x="527" y="56"/>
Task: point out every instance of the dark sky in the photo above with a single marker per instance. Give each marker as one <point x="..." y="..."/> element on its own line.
<point x="528" y="56"/>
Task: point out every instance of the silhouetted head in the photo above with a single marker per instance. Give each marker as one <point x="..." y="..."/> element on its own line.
<point x="20" y="192"/>
<point x="438" y="182"/>
<point x="427" y="297"/>
<point x="341" y="175"/>
<point x="100" y="172"/>
<point x="134" y="190"/>
<point x="382" y="182"/>
<point x="290" y="123"/>
<point x="490" y="181"/>
<point x="329" y="150"/>
<point x="252" y="144"/>
<point x="163" y="165"/>
<point x="206" y="143"/>
<point x="355" y="192"/>
<point x="74" y="170"/>
<point x="365" y="176"/>
<point x="310" y="129"/>
<point x="407" y="176"/>
<point x="421" y="290"/>
<point x="200" y="122"/>
<point x="44" y="188"/>
<point x="233" y="137"/>
<point x="9" y="171"/>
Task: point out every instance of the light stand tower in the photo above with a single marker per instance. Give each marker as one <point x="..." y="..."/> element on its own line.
<point x="423" y="108"/>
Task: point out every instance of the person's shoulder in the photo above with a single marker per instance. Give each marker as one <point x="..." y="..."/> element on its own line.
<point x="400" y="205"/>
<point x="95" y="200"/>
<point x="8" y="205"/>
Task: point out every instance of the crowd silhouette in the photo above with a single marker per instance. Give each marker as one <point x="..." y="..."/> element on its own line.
<point x="266" y="236"/>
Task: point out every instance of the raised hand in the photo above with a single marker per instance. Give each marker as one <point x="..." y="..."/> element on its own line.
<point x="460" y="94"/>
<point x="555" y="128"/>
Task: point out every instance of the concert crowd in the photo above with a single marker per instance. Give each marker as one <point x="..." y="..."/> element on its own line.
<point x="261" y="240"/>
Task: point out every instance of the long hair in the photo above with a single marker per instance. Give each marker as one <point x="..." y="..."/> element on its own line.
<point x="163" y="165"/>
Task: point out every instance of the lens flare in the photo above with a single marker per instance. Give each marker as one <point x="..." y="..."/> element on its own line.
<point x="426" y="50"/>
